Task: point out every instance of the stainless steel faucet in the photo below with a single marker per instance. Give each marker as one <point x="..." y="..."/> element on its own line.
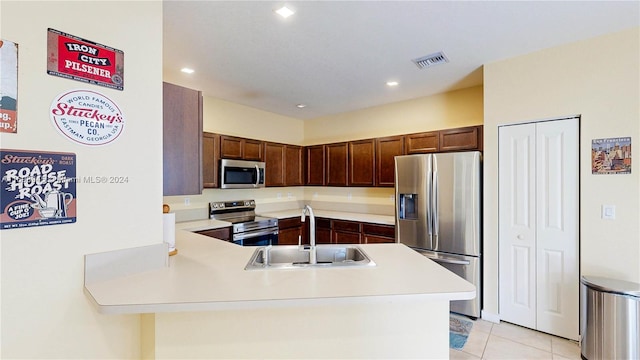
<point x="312" y="232"/>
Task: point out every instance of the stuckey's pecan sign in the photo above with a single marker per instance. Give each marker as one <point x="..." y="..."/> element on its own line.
<point x="87" y="117"/>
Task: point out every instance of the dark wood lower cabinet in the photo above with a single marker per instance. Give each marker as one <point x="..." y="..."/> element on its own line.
<point x="323" y="231"/>
<point x="345" y="232"/>
<point x="334" y="231"/>
<point x="376" y="233"/>
<point x="289" y="230"/>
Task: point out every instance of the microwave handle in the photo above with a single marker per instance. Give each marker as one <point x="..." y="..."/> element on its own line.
<point x="257" y="176"/>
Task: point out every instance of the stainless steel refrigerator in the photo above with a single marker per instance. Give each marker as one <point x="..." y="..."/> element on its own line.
<point x="438" y="204"/>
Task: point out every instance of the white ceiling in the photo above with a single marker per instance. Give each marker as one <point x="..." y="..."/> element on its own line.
<point x="336" y="56"/>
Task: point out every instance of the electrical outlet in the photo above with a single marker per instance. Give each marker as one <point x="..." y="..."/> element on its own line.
<point x="315" y="194"/>
<point x="289" y="195"/>
<point x="187" y="201"/>
<point x="349" y="196"/>
<point x="279" y="195"/>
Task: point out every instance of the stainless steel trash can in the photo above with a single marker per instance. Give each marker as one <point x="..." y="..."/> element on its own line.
<point x="609" y="319"/>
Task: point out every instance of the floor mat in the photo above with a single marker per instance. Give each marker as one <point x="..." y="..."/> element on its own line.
<point x="459" y="329"/>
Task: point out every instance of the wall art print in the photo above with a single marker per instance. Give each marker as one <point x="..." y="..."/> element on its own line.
<point x="611" y="156"/>
<point x="87" y="117"/>
<point x="8" y="87"/>
<point x="38" y="188"/>
<point x="79" y="59"/>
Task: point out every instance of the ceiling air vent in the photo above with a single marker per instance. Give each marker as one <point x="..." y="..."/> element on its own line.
<point x="431" y="60"/>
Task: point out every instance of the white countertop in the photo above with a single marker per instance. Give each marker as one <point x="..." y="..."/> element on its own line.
<point x="200" y="225"/>
<point x="208" y="274"/>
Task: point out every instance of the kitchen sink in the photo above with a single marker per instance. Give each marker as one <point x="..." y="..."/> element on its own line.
<point x="293" y="257"/>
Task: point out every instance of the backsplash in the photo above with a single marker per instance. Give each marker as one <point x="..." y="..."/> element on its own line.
<point x="360" y="200"/>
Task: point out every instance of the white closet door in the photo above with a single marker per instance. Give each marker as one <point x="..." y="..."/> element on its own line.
<point x="538" y="226"/>
<point x="517" y="231"/>
<point x="557" y="227"/>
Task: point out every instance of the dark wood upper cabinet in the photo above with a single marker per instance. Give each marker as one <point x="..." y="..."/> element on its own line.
<point x="468" y="138"/>
<point x="337" y="165"/>
<point x="387" y="149"/>
<point x="315" y="165"/>
<point x="362" y="162"/>
<point x="421" y="143"/>
<point x="252" y="150"/>
<point x="181" y="140"/>
<point x="293" y="165"/>
<point x="274" y="158"/>
<point x="232" y="147"/>
<point x="210" y="158"/>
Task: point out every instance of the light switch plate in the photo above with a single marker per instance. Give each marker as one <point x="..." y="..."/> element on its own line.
<point x="609" y="212"/>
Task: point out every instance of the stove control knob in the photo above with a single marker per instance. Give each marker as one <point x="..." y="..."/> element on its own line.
<point x="221" y="205"/>
<point x="253" y="202"/>
<point x="215" y="205"/>
<point x="247" y="203"/>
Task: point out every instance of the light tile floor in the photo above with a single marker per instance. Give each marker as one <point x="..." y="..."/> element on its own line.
<point x="510" y="342"/>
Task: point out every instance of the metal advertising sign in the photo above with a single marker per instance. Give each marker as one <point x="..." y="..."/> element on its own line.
<point x="37" y="189"/>
<point x="8" y="87"/>
<point x="75" y="58"/>
<point x="87" y="117"/>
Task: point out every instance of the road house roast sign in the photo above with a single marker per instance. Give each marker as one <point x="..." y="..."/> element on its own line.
<point x="87" y="117"/>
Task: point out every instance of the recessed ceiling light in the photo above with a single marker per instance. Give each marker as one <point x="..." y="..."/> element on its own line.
<point x="301" y="106"/>
<point x="187" y="70"/>
<point x="392" y="83"/>
<point x="285" y="12"/>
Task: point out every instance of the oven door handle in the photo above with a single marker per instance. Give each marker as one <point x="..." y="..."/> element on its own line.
<point x="248" y="235"/>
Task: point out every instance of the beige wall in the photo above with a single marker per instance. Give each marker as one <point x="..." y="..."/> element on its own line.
<point x="45" y="313"/>
<point x="224" y="117"/>
<point x="448" y="110"/>
<point x="599" y="80"/>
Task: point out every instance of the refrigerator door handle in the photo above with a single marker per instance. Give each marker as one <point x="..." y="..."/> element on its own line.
<point x="434" y="210"/>
<point x="428" y="207"/>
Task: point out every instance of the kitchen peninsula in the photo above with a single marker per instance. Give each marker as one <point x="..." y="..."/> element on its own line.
<point x="399" y="308"/>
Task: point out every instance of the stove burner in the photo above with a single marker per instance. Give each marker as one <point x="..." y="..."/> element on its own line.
<point x="248" y="229"/>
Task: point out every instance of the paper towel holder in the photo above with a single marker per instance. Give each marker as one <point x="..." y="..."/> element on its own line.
<point x="165" y="210"/>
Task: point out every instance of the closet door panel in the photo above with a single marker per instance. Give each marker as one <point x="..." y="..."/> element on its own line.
<point x="557" y="227"/>
<point x="517" y="230"/>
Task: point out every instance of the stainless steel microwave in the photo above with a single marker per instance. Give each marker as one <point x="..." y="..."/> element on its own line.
<point x="241" y="174"/>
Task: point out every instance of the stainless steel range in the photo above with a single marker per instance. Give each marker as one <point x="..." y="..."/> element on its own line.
<point x="248" y="228"/>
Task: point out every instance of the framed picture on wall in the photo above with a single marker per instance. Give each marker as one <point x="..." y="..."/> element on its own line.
<point x="611" y="156"/>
